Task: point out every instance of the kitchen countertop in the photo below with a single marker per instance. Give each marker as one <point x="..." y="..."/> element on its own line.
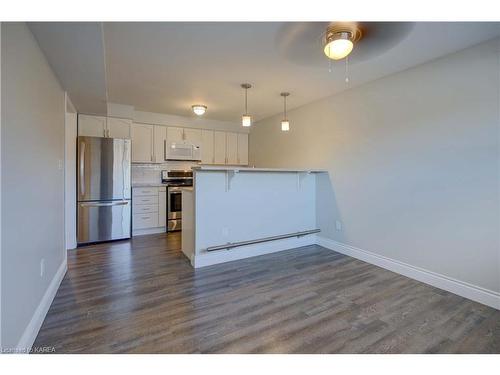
<point x="252" y="169"/>
<point x="147" y="184"/>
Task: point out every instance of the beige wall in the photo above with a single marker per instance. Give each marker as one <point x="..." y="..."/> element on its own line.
<point x="32" y="212"/>
<point x="413" y="161"/>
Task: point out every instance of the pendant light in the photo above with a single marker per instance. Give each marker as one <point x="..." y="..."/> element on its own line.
<point x="246" y="119"/>
<point x="285" y="124"/>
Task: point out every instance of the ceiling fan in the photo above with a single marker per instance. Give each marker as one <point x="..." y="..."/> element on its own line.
<point x="307" y="43"/>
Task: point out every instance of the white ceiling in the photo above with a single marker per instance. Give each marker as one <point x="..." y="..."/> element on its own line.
<point x="167" y="67"/>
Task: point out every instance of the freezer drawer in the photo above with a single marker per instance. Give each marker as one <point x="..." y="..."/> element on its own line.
<point x="103" y="221"/>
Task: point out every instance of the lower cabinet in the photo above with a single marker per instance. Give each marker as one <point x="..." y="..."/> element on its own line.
<point x="162" y="207"/>
<point x="149" y="206"/>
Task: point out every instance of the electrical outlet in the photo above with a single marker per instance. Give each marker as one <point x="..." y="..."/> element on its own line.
<point x="60" y="164"/>
<point x="42" y="267"/>
<point x="338" y="225"/>
<point x="225" y="232"/>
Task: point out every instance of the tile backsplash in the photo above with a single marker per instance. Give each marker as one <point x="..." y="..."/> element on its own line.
<point x="151" y="173"/>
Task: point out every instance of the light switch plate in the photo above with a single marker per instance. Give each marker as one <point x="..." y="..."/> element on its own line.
<point x="338" y="225"/>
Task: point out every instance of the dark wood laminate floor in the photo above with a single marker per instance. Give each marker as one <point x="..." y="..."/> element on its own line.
<point x="142" y="296"/>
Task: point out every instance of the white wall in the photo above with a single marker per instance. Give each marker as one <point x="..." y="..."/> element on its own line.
<point x="413" y="161"/>
<point x="1" y="187"/>
<point x="32" y="186"/>
<point x="70" y="134"/>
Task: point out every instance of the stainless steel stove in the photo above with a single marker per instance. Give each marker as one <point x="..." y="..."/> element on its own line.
<point x="175" y="179"/>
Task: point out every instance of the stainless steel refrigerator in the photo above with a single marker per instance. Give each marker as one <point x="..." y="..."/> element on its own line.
<point x="104" y="191"/>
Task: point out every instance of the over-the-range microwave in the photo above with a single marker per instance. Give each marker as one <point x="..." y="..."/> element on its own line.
<point x="182" y="151"/>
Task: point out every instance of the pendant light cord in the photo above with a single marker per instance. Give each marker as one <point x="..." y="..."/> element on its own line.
<point x="246" y="109"/>
<point x="284" y="106"/>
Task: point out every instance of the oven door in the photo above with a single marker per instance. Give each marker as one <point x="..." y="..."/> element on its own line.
<point x="174" y="203"/>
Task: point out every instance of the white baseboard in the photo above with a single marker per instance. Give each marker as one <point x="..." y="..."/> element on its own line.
<point x="31" y="331"/>
<point x="461" y="288"/>
<point x="222" y="256"/>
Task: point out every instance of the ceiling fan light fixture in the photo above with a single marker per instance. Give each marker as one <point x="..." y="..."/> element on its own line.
<point x="199" y="109"/>
<point x="338" y="45"/>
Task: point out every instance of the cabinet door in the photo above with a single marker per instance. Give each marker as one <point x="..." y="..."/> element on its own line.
<point x="162" y="207"/>
<point x="159" y="134"/>
<point x="91" y="126"/>
<point x="118" y="127"/>
<point x="207" y="146"/>
<point x="232" y="148"/>
<point x="142" y="143"/>
<point x="175" y="134"/>
<point x="242" y="149"/>
<point x="219" y="147"/>
<point x="193" y="136"/>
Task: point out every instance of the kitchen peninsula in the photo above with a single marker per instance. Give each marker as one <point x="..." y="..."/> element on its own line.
<point x="238" y="212"/>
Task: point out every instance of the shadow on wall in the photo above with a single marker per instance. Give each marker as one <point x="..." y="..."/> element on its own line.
<point x="328" y="215"/>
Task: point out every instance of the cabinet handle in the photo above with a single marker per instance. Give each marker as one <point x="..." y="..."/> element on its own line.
<point x="104" y="133"/>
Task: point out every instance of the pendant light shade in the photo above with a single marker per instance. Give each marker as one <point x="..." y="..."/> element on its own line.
<point x="285" y="124"/>
<point x="246" y="119"/>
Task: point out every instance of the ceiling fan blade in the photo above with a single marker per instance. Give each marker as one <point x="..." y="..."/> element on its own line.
<point x="378" y="38"/>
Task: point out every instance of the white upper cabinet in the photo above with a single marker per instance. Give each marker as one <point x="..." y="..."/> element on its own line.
<point x="159" y="138"/>
<point x="207" y="146"/>
<point x="142" y="143"/>
<point x="100" y="126"/>
<point x="91" y="126"/>
<point x="193" y="136"/>
<point x="232" y="148"/>
<point x="219" y="147"/>
<point x="118" y="127"/>
<point x="242" y="148"/>
<point x="175" y="134"/>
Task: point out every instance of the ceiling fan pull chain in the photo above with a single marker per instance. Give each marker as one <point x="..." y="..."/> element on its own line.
<point x="347" y="69"/>
<point x="329" y="65"/>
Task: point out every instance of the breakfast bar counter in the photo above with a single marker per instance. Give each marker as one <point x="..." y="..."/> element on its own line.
<point x="238" y="212"/>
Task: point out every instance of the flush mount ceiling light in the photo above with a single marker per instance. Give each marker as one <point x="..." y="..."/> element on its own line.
<point x="246" y="119"/>
<point x="285" y="124"/>
<point x="340" y="39"/>
<point x="199" y="109"/>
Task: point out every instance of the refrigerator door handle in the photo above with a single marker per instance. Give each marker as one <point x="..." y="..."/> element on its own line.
<point x="104" y="204"/>
<point x="82" y="169"/>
